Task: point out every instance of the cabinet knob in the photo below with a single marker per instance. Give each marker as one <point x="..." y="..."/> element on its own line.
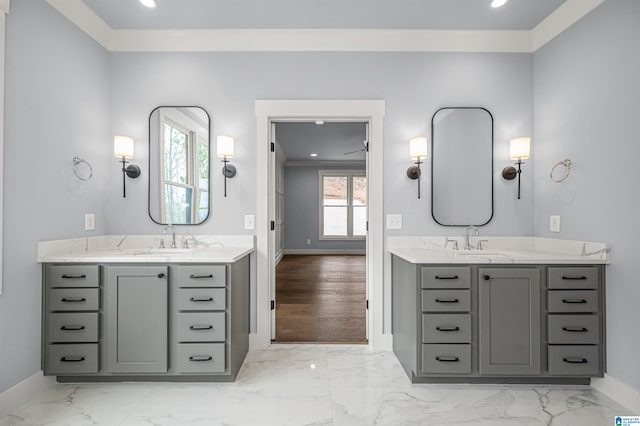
<point x="160" y="275"/>
<point x="486" y="277"/>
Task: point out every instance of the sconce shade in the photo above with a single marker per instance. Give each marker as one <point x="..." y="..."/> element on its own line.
<point x="225" y="146"/>
<point x="418" y="148"/>
<point x="519" y="148"/>
<point x="123" y="146"/>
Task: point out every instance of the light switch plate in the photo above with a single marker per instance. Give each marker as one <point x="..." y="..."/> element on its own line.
<point x="249" y="222"/>
<point x="394" y="221"/>
<point x="554" y="223"/>
<point x="89" y="221"/>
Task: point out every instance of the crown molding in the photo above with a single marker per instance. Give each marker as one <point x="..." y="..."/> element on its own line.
<point x="562" y="18"/>
<point x="321" y="40"/>
<point x="4" y="6"/>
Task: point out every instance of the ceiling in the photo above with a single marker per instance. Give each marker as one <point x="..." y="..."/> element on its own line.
<point x="330" y="141"/>
<point x="336" y="14"/>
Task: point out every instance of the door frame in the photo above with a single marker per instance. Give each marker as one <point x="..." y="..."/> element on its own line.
<point x="371" y="111"/>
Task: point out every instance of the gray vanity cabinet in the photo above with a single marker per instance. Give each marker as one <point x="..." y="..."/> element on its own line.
<point x="499" y="323"/>
<point x="509" y="321"/>
<point x="145" y="322"/>
<point x="137" y="320"/>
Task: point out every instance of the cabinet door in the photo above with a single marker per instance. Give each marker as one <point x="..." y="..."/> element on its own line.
<point x="509" y="314"/>
<point x="136" y="319"/>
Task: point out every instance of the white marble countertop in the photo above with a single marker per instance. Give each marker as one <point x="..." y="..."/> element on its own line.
<point x="499" y="250"/>
<point x="145" y="249"/>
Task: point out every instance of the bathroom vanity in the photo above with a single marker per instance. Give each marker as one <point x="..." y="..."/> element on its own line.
<point x="135" y="312"/>
<point x="527" y="311"/>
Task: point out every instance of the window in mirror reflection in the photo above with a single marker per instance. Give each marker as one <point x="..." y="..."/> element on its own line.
<point x="182" y="152"/>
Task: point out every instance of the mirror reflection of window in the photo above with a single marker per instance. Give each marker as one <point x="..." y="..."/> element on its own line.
<point x="180" y="149"/>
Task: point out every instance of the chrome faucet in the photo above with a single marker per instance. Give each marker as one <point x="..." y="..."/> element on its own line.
<point x="173" y="235"/>
<point x="467" y="244"/>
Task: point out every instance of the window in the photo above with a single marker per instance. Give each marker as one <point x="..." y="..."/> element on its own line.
<point x="185" y="183"/>
<point x="343" y="204"/>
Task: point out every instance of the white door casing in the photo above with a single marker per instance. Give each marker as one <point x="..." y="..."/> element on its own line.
<point x="371" y="111"/>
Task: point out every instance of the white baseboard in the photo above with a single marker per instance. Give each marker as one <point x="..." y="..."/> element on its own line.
<point x="23" y="392"/>
<point x="279" y="256"/>
<point x="621" y="393"/>
<point x="324" y="251"/>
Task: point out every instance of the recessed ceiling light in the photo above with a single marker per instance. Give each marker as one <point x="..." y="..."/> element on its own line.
<point x="313" y="154"/>
<point x="498" y="3"/>
<point x="151" y="4"/>
<point x="319" y="121"/>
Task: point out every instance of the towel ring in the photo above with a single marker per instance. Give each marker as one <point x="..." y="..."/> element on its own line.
<point x="567" y="164"/>
<point x="76" y="170"/>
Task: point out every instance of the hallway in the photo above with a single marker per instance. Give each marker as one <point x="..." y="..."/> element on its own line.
<point x="321" y="298"/>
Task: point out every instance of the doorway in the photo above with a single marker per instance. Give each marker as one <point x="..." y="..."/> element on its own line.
<point x="268" y="111"/>
<point x="320" y="231"/>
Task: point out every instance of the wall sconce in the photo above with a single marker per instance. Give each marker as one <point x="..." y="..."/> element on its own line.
<point x="417" y="153"/>
<point x="225" y="151"/>
<point x="518" y="150"/>
<point x="123" y="148"/>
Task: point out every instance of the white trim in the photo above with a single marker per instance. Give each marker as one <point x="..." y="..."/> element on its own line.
<point x="2" y="58"/>
<point x="5" y="5"/>
<point x="23" y="392"/>
<point x="327" y="40"/>
<point x="323" y="163"/>
<point x="86" y="19"/>
<point x="369" y="110"/>
<point x="622" y="393"/>
<point x="561" y="19"/>
<point x="324" y="251"/>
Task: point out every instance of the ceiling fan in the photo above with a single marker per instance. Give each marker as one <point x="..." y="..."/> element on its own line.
<point x="364" y="148"/>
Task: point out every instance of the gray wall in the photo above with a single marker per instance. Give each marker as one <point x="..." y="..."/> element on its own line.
<point x="587" y="109"/>
<point x="57" y="107"/>
<point x="302" y="211"/>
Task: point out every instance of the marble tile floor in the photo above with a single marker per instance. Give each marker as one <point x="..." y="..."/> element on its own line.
<point x="317" y="385"/>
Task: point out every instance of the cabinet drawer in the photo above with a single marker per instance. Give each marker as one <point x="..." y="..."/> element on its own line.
<point x="446" y="359"/>
<point x="574" y="329"/>
<point x="575" y="277"/>
<point x="573" y="301"/>
<point x="74" y="276"/>
<point x="201" y="327"/>
<point x="445" y="328"/>
<point x="446" y="300"/>
<point x="446" y="277"/>
<point x="201" y="358"/>
<point x="201" y="299"/>
<point x="574" y="360"/>
<point x="202" y="276"/>
<point x="73" y="328"/>
<point x="74" y="299"/>
<point x="73" y="359"/>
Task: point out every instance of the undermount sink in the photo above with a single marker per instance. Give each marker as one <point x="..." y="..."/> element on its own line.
<point x="160" y="251"/>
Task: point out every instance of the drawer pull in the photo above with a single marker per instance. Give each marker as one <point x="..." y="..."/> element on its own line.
<point x="73" y="277"/>
<point x="453" y="277"/>
<point x="447" y="301"/>
<point x="569" y="277"/>
<point x="200" y="327"/>
<point x="72" y="359"/>
<point x="200" y="358"/>
<point x="447" y="359"/>
<point x="72" y="328"/>
<point x="486" y="277"/>
<point x="448" y="328"/>
<point x="575" y="360"/>
<point x="161" y="275"/>
<point x="201" y="299"/>
<point x="575" y="329"/>
<point x="74" y="299"/>
<point x="574" y="301"/>
<point x="200" y="277"/>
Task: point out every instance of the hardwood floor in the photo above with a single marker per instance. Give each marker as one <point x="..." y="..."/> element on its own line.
<point x="321" y="298"/>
